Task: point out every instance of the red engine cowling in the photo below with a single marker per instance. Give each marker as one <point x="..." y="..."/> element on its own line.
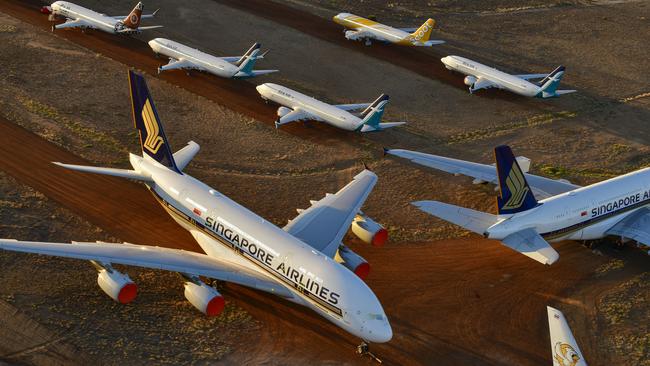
<point x="369" y="231"/>
<point x="117" y="285"/>
<point x="205" y="298"/>
<point x="353" y="262"/>
<point x="46" y="10"/>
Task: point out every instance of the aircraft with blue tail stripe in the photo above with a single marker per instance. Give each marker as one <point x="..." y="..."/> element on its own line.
<point x="304" y="262"/>
<point x="533" y="210"/>
<point x="480" y="76"/>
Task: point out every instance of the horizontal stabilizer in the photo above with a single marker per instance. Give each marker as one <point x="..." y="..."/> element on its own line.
<point x="253" y="73"/>
<point x="469" y="219"/>
<point x="568" y="91"/>
<point x="381" y="126"/>
<point x="122" y="173"/>
<point x="186" y="154"/>
<point x="529" y="243"/>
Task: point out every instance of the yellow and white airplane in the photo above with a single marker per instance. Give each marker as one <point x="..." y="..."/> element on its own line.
<point x="359" y="28"/>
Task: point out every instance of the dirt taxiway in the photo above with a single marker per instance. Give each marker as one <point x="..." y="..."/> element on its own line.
<point x="453" y="302"/>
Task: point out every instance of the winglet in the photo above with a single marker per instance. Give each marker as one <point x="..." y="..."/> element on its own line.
<point x="385" y="151"/>
<point x="365" y="166"/>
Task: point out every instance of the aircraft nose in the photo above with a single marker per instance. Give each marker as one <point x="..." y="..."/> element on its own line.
<point x="262" y="89"/>
<point x="379" y="331"/>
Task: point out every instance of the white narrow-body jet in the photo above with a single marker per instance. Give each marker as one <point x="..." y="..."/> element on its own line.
<point x="187" y="58"/>
<point x="533" y="211"/>
<point x="296" y="106"/>
<point x="362" y="29"/>
<point x="79" y="17"/>
<point x="564" y="348"/>
<point x="480" y="76"/>
<point x="305" y="262"/>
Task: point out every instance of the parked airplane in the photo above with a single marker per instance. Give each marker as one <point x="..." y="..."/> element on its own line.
<point x="184" y="57"/>
<point x="297" y="106"/>
<point x="359" y="28"/>
<point x="79" y="17"/>
<point x="305" y="262"/>
<point x="564" y="211"/>
<point x="564" y="347"/>
<point x="480" y="76"/>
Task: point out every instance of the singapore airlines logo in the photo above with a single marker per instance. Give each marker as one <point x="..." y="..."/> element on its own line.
<point x="565" y="354"/>
<point x="153" y="141"/>
<point x="517" y="186"/>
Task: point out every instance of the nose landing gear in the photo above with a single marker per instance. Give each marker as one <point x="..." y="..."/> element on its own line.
<point x="364" y="350"/>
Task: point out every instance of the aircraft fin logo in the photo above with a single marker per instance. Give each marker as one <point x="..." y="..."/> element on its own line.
<point x="133" y="19"/>
<point x="153" y="141"/>
<point x="424" y="32"/>
<point x="565" y="354"/>
<point x="517" y="186"/>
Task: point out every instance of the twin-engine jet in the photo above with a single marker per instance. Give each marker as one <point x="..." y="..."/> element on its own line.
<point x="533" y="210"/>
<point x="297" y="106"/>
<point x="480" y="77"/>
<point x="184" y="57"/>
<point x="564" y="347"/>
<point x="362" y="29"/>
<point x="305" y="262"/>
<point x="79" y="17"/>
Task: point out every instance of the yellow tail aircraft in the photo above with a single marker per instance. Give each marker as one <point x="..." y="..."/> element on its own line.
<point x="359" y="28"/>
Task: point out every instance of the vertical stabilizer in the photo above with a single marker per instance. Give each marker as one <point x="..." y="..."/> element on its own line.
<point x="133" y="19"/>
<point x="515" y="194"/>
<point x="372" y="115"/>
<point x="423" y="33"/>
<point x="564" y="347"/>
<point x="551" y="82"/>
<point x="145" y="117"/>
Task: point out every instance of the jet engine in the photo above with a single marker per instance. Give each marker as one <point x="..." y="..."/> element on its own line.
<point x="352" y="35"/>
<point x="205" y="298"/>
<point x="116" y="284"/>
<point x="352" y="261"/>
<point x="469" y="80"/>
<point x="369" y="231"/>
<point x="283" y="111"/>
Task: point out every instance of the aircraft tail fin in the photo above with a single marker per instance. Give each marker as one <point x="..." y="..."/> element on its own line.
<point x="564" y="347"/>
<point x="145" y="117"/>
<point x="515" y="194"/>
<point x="255" y="48"/>
<point x="551" y="82"/>
<point x="423" y="33"/>
<point x="132" y="20"/>
<point x="372" y="115"/>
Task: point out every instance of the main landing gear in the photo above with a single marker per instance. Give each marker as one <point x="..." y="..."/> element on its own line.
<point x="364" y="350"/>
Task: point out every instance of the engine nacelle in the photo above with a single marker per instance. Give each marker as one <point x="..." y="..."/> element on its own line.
<point x="205" y="298"/>
<point x="353" y="261"/>
<point x="117" y="285"/>
<point x="369" y="231"/>
<point x="352" y="35"/>
<point x="283" y="111"/>
<point x="469" y="80"/>
<point x="46" y="9"/>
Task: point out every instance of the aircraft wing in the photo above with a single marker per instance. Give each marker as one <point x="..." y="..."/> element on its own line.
<point x="635" y="226"/>
<point x="74" y="23"/>
<point x="484" y="83"/>
<point x="529" y="243"/>
<point x="352" y="107"/>
<point x="325" y="223"/>
<point x="178" y="64"/>
<point x="174" y="260"/>
<point x="295" y="115"/>
<point x="531" y="76"/>
<point x="542" y="187"/>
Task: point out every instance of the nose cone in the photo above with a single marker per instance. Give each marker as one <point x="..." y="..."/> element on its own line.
<point x="379" y="331"/>
<point x="263" y="89"/>
<point x="446" y="60"/>
<point x="153" y="43"/>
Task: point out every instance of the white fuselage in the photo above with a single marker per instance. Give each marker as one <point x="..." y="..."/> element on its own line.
<point x="97" y="20"/>
<point x="297" y="101"/>
<point x="582" y="214"/>
<point x="226" y="229"/>
<point x="501" y="79"/>
<point x="378" y="30"/>
<point x="201" y="60"/>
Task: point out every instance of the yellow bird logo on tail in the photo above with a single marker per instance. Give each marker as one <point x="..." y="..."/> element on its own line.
<point x="153" y="141"/>
<point x="565" y="354"/>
